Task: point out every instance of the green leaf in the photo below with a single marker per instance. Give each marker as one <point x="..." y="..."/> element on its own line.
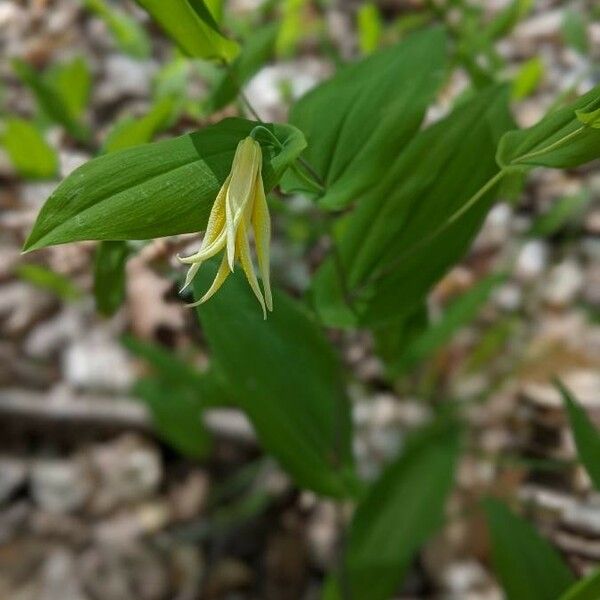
<point x="50" y="100"/>
<point x="457" y="315"/>
<point x="574" y="30"/>
<point x="402" y="509"/>
<point x="129" y="35"/>
<point x="355" y="122"/>
<point x="559" y="140"/>
<point x="30" y="154"/>
<point x="73" y="81"/>
<point x="109" y="276"/>
<point x="528" y="566"/>
<point x="176" y="394"/>
<point x="591" y="118"/>
<point x="421" y="218"/>
<point x="392" y="338"/>
<point x="369" y="27"/>
<point x="585" y="589"/>
<point x="293" y="26"/>
<point x="176" y="414"/>
<point x="133" y="132"/>
<point x="587" y="437"/>
<point x="256" y="50"/>
<point x="506" y="19"/>
<point x="284" y="374"/>
<point x="190" y="24"/>
<point x="49" y="281"/>
<point x="528" y="78"/>
<point x="154" y="190"/>
<point x="561" y="213"/>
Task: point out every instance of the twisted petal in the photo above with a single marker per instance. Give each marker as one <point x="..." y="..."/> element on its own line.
<point x="246" y="167"/>
<point x="243" y="250"/>
<point x="214" y="238"/>
<point x="261" y="223"/>
<point x="220" y="277"/>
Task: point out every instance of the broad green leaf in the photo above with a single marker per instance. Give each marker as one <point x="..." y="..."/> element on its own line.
<point x="49" y="281"/>
<point x="574" y="30"/>
<point x="369" y="27"/>
<point x="284" y="374"/>
<point x="559" y="140"/>
<point x="529" y="568"/>
<point x="176" y="415"/>
<point x="190" y="24"/>
<point x="154" y="190"/>
<point x="50" y="100"/>
<point x="457" y="315"/>
<point x="255" y="52"/>
<point x="402" y="509"/>
<point x="418" y="221"/>
<point x="585" y="589"/>
<point x="73" y="81"/>
<point x="129" y="35"/>
<point x="587" y="437"/>
<point x="357" y="122"/>
<point x="30" y="154"/>
<point x="109" y="276"/>
<point x="133" y="132"/>
<point x="176" y="394"/>
<point x="528" y="77"/>
<point x="392" y="338"/>
<point x="563" y="211"/>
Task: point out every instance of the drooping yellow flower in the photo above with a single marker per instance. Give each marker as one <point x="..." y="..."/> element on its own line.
<point x="240" y="206"/>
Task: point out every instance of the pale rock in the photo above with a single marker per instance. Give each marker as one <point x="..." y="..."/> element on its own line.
<point x="98" y="362"/>
<point x="532" y="260"/>
<point x="60" y="486"/>
<point x="564" y="284"/>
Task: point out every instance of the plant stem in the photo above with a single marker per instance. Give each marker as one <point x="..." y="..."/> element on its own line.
<point x="553" y="146"/>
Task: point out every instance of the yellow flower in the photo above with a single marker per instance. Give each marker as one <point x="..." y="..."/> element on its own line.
<point x="240" y="206"/>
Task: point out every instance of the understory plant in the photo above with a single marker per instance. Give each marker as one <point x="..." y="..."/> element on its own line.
<point x="400" y="202"/>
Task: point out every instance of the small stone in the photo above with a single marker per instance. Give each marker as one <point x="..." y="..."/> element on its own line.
<point x="532" y="260"/>
<point x="60" y="486"/>
<point x="564" y="284"/>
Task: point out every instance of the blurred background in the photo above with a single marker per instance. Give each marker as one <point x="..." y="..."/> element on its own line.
<point x="104" y="495"/>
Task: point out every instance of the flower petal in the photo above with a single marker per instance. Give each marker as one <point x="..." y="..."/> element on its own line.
<point x="244" y="170"/>
<point x="261" y="223"/>
<point x="243" y="249"/>
<point x="220" y="277"/>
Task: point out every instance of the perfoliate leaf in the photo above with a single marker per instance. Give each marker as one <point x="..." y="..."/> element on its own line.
<point x="587" y="437"/>
<point x="360" y="120"/>
<point x="30" y="154"/>
<point x="559" y="140"/>
<point x="190" y="24"/>
<point x="402" y="509"/>
<point x="591" y="118"/>
<point x="284" y="374"/>
<point x="154" y="190"/>
<point x="418" y="221"/>
<point x="528" y="566"/>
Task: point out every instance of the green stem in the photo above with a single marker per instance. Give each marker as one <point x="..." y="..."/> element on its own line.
<point x="551" y="147"/>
